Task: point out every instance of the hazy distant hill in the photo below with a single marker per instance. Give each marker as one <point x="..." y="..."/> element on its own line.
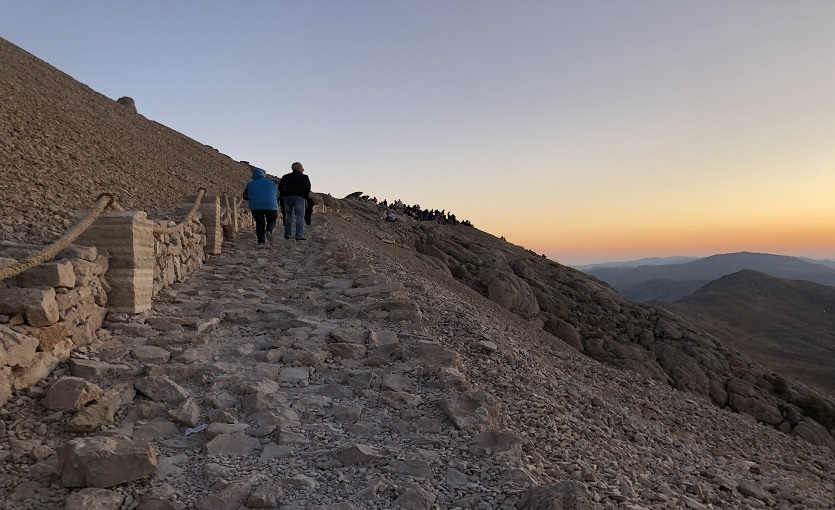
<point x="788" y="326"/>
<point x="660" y="289"/>
<point x="650" y="261"/>
<point x="667" y="279"/>
<point x="827" y="263"/>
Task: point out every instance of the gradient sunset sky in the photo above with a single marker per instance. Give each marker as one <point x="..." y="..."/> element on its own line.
<point x="586" y="130"/>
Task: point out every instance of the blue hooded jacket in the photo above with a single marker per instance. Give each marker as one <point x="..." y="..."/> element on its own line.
<point x="261" y="192"/>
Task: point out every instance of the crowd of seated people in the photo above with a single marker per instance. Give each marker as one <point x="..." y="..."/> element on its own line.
<point x="416" y="212"/>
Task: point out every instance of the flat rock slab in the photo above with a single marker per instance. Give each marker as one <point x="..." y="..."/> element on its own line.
<point x="232" y="444"/>
<point x="105" y="461"/>
<point x="161" y="389"/>
<point x="71" y="394"/>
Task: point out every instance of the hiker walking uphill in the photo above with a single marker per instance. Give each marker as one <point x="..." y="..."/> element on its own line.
<point x="263" y="204"/>
<point x="295" y="189"/>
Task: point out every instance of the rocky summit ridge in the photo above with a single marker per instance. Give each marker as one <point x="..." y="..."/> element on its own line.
<point x="378" y="365"/>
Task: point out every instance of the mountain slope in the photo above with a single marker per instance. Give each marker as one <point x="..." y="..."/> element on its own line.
<point x="639" y="437"/>
<point x="787" y="325"/>
<point x="62" y="144"/>
<point x="581" y="311"/>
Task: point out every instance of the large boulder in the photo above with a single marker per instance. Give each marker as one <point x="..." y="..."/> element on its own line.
<point x="565" y="332"/>
<point x="746" y="398"/>
<point x="71" y="394"/>
<point x="475" y="411"/>
<point x="565" y="495"/>
<point x="17" y="349"/>
<point x="103" y="462"/>
<point x="510" y="292"/>
<point x="815" y="433"/>
<point x="94" y="499"/>
<point x="38" y="306"/>
<point x="161" y="389"/>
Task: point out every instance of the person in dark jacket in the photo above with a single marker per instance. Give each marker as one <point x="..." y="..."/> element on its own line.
<point x="295" y="189"/>
<point x="263" y="204"/>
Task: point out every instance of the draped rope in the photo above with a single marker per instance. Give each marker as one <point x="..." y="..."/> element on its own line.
<point x="171" y="230"/>
<point x="103" y="201"/>
<point x="226" y="215"/>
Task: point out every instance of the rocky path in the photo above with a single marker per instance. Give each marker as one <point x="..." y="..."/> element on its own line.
<point x="303" y="362"/>
<point x="318" y="375"/>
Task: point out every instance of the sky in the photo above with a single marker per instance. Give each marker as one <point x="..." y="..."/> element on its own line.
<point x="588" y="131"/>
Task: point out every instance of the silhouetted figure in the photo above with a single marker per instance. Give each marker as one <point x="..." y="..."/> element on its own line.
<point x="295" y="190"/>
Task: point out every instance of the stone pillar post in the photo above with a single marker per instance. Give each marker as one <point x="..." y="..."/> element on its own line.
<point x="235" y="222"/>
<point x="210" y="218"/>
<point x="128" y="238"/>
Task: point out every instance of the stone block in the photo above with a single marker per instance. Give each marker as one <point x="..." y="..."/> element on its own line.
<point x="94" y="499"/>
<point x="38" y="306"/>
<point x="86" y="272"/>
<point x="17" y="349"/>
<point x="161" y="389"/>
<point x="49" y="274"/>
<point x="91" y="370"/>
<point x="128" y="238"/>
<point x="41" y="366"/>
<point x="71" y="394"/>
<point x="76" y="251"/>
<point x="105" y="461"/>
<point x="51" y="337"/>
<point x="5" y="384"/>
<point x="566" y="494"/>
<point x="472" y="410"/>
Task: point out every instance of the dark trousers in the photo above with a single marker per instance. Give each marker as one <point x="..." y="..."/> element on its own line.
<point x="264" y="222"/>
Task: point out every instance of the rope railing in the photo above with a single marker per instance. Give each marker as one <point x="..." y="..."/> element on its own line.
<point x="226" y="215"/>
<point x="103" y="201"/>
<point x="171" y="230"/>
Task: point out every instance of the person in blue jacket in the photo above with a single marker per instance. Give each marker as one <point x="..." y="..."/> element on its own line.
<point x="262" y="195"/>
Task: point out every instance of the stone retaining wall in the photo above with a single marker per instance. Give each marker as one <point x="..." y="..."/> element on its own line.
<point x="115" y="267"/>
<point x="178" y="254"/>
<point x="48" y="311"/>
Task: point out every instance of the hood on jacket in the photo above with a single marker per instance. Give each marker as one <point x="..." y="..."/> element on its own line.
<point x="257" y="173"/>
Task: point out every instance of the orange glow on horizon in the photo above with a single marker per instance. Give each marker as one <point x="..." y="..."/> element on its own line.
<point x="813" y="242"/>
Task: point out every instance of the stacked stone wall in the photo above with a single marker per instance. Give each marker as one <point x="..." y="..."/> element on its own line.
<point x="48" y="311"/>
<point x="115" y="268"/>
<point x="178" y="254"/>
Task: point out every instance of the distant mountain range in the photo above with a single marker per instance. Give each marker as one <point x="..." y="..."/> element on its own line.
<point x="785" y="325"/>
<point x="673" y="281"/>
<point x="650" y="261"/>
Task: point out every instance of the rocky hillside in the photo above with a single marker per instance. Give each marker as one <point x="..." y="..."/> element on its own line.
<point x="62" y="143"/>
<point x="594" y="319"/>
<point x="519" y="322"/>
<point x="786" y="325"/>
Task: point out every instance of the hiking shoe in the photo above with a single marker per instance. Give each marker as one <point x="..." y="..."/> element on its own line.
<point x="286" y="237"/>
<point x="301" y="239"/>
